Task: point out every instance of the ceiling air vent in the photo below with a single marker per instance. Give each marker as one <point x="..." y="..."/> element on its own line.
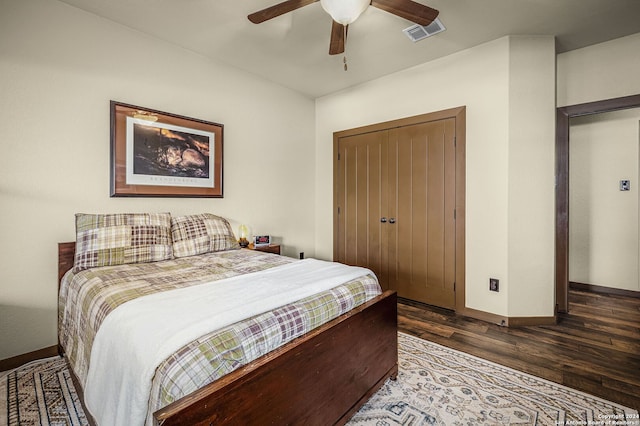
<point x="418" y="32"/>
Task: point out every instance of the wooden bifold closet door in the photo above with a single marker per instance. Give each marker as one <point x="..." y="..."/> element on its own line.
<point x="396" y="199"/>
<point x="363" y="199"/>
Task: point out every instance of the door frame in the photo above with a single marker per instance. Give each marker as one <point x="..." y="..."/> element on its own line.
<point x="563" y="115"/>
<point x="459" y="114"/>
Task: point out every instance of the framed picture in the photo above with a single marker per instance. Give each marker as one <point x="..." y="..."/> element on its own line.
<point x="158" y="154"/>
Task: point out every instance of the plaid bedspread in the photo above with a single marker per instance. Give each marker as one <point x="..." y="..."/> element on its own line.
<point x="87" y="297"/>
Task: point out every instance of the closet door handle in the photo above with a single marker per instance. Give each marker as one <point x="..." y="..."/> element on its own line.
<point x="383" y="219"/>
<point x="392" y="220"/>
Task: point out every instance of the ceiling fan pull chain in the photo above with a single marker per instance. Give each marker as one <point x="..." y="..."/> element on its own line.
<point x="344" y="58"/>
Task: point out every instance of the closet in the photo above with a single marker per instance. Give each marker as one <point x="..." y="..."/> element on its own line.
<point x="395" y="196"/>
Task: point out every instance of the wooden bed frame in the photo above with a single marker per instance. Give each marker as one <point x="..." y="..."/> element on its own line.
<point x="321" y="378"/>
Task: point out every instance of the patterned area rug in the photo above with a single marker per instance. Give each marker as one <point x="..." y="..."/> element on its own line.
<point x="440" y="386"/>
<point x="436" y="386"/>
<point x="40" y="393"/>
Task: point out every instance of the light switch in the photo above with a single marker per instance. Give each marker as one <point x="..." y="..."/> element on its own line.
<point x="625" y="185"/>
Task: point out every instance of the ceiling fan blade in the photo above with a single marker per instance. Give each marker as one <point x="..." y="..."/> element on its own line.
<point x="338" y="35"/>
<point x="407" y="9"/>
<point x="277" y="10"/>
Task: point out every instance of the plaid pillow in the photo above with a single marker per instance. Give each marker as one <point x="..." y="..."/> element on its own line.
<point x="201" y="233"/>
<point x="115" y="239"/>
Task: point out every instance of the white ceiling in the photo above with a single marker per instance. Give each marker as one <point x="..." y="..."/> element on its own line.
<point x="292" y="50"/>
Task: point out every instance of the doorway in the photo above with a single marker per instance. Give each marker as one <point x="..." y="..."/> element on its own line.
<point x="603" y="201"/>
<point x="563" y="115"/>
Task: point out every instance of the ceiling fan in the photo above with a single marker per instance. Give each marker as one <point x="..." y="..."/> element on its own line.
<point x="345" y="12"/>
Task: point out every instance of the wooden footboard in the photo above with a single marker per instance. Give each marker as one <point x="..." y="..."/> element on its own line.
<point x="321" y="378"/>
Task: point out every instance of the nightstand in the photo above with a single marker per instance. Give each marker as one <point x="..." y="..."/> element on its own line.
<point x="271" y="248"/>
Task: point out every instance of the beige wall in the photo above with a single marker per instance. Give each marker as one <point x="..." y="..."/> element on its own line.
<point x="531" y="288"/>
<point x="59" y="68"/>
<point x="510" y="128"/>
<point x="603" y="235"/>
<point x="603" y="71"/>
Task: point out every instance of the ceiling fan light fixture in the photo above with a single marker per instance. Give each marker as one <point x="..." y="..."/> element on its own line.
<point x="345" y="12"/>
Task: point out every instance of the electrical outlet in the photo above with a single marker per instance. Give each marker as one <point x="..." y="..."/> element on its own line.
<point x="301" y="255"/>
<point x="494" y="284"/>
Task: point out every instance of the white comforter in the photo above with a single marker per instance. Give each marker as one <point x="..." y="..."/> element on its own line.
<point x="138" y="335"/>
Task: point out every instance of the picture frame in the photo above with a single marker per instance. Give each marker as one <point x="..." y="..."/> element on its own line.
<point x="159" y="154"/>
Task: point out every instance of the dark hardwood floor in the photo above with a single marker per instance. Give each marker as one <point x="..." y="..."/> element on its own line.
<point x="595" y="348"/>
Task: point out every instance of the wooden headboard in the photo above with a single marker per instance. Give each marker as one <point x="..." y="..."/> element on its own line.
<point x="66" y="253"/>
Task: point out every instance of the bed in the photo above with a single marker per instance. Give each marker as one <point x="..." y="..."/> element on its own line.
<point x="317" y="373"/>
